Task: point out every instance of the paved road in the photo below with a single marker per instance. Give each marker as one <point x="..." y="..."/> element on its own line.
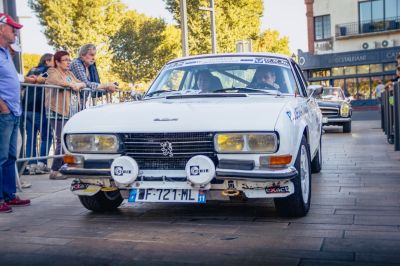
<point x="354" y="220"/>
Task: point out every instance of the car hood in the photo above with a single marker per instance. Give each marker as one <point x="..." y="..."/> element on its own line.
<point x="255" y="113"/>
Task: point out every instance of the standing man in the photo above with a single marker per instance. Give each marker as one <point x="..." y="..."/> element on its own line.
<point x="84" y="68"/>
<point x="378" y="91"/>
<point x="10" y="112"/>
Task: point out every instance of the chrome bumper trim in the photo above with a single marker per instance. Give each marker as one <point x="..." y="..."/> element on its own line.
<point x="257" y="175"/>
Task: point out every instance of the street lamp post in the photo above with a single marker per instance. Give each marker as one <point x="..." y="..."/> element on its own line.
<point x="211" y="9"/>
<point x="184" y="28"/>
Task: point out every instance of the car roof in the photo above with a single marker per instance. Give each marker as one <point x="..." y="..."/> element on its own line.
<point x="229" y="55"/>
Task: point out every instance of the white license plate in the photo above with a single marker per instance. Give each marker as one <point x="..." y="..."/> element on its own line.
<point x="167" y="195"/>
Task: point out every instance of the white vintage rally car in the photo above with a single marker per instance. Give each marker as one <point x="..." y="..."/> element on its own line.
<point x="210" y="127"/>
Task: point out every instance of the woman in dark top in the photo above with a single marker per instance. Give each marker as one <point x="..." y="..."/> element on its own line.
<point x="33" y="105"/>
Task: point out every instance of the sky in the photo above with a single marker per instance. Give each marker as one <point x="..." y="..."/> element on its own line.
<point x="289" y="22"/>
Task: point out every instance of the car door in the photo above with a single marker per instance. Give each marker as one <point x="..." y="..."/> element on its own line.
<point x="313" y="112"/>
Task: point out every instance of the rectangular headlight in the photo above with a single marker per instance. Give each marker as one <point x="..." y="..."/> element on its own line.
<point x="92" y="143"/>
<point x="246" y="142"/>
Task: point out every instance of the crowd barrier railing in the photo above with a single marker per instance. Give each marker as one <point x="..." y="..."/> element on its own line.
<point x="45" y="111"/>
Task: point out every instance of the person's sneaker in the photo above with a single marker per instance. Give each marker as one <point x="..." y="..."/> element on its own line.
<point x="18" y="202"/>
<point x="42" y="168"/>
<point x="32" y="168"/>
<point x="56" y="175"/>
<point x="4" y="208"/>
<point x="25" y="184"/>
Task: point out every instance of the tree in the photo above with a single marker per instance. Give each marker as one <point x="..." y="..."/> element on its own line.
<point x="70" y="24"/>
<point x="142" y="46"/>
<point x="269" y="41"/>
<point x="29" y="61"/>
<point x="235" y="20"/>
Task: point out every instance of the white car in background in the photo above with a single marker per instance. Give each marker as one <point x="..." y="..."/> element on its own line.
<point x="237" y="138"/>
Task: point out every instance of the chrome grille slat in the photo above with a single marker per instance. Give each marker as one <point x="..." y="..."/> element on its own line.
<point x="145" y="148"/>
<point x="326" y="111"/>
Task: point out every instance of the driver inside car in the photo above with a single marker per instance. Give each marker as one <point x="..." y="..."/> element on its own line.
<point x="265" y="78"/>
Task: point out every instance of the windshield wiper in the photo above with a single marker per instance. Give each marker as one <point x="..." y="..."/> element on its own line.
<point x="246" y="89"/>
<point x="160" y="92"/>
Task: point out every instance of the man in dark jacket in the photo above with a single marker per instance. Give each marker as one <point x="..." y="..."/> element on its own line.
<point x="36" y="121"/>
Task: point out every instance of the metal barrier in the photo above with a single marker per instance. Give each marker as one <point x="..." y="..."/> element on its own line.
<point x="391" y="114"/>
<point x="45" y="111"/>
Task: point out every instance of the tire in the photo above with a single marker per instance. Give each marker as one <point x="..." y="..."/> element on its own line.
<point x="102" y="201"/>
<point x="298" y="204"/>
<point x="347" y="127"/>
<point x="316" y="163"/>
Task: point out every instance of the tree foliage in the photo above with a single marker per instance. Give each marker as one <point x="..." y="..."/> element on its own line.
<point x="70" y="24"/>
<point x="29" y="61"/>
<point x="269" y="41"/>
<point x="235" y="20"/>
<point x="142" y="46"/>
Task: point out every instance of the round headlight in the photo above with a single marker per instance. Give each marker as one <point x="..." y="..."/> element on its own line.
<point x="345" y="109"/>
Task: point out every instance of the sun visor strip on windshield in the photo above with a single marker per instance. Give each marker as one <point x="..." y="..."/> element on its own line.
<point x="231" y="60"/>
<point x="217" y="95"/>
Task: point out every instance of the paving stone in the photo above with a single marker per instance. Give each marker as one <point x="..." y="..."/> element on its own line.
<point x="361" y="245"/>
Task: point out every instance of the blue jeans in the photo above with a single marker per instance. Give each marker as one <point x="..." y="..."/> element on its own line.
<point x="31" y="140"/>
<point x="9" y="126"/>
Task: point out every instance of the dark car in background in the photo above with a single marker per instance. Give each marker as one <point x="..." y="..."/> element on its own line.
<point x="335" y="107"/>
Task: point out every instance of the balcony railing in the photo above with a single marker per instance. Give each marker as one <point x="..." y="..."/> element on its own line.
<point x="363" y="27"/>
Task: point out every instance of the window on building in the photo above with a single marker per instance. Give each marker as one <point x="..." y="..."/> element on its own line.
<point x="364" y="88"/>
<point x="351" y="87"/>
<point x="350" y="70"/>
<point x="320" y="73"/>
<point x="378" y="15"/>
<point x="322" y="27"/>
<point x="389" y="67"/>
<point x="337" y="71"/>
<point x="374" y="68"/>
<point x="338" y="83"/>
<point x="363" y="69"/>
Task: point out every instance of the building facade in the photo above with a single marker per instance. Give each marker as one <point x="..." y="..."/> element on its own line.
<point x="352" y="44"/>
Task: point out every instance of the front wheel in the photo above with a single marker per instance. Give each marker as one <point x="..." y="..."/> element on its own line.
<point x="298" y="204"/>
<point x="102" y="201"/>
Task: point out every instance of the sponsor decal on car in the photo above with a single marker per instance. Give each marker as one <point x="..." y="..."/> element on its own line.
<point x="273" y="190"/>
<point x="195" y="170"/>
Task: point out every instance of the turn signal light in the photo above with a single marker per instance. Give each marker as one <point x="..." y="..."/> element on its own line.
<point x="73" y="160"/>
<point x="280" y="160"/>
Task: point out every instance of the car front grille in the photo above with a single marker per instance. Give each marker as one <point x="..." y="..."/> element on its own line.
<point x="329" y="112"/>
<point x="168" y="151"/>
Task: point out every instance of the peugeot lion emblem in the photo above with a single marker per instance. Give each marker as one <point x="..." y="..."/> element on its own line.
<point x="166" y="148"/>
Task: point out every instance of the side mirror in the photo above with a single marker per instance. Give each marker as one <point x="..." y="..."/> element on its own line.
<point x="136" y="96"/>
<point x="314" y="90"/>
<point x="348" y="99"/>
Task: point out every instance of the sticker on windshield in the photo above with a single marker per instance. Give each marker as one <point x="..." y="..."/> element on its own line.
<point x="230" y="60"/>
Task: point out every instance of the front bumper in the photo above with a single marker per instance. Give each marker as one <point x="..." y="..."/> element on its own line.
<point x="82" y="173"/>
<point x="269" y="174"/>
<point x="332" y="120"/>
<point x="257" y="175"/>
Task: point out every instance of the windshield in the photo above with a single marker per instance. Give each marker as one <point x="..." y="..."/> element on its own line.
<point x="332" y="94"/>
<point x="268" y="75"/>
